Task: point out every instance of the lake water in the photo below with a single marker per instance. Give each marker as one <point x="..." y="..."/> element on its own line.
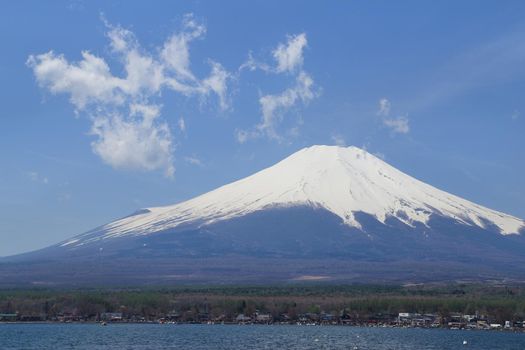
<point x="149" y="336"/>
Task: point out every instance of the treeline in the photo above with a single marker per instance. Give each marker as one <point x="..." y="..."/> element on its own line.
<point x="194" y="304"/>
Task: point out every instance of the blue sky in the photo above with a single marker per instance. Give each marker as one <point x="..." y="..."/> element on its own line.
<point x="108" y="107"/>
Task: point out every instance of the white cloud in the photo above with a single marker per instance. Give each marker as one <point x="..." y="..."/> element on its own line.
<point x="252" y="64"/>
<point x="176" y="54"/>
<point x="338" y="140"/>
<point x="194" y="161"/>
<point x="243" y="135"/>
<point x="137" y="143"/>
<point x="36" y="177"/>
<point x="182" y="124"/>
<point x="384" y="107"/>
<point x="148" y="113"/>
<point x="217" y="83"/>
<point x="397" y="125"/>
<point x="126" y="122"/>
<point x="273" y="108"/>
<point x="88" y="81"/>
<point x="145" y="76"/>
<point x="65" y="197"/>
<point x="289" y="56"/>
<point x="515" y="115"/>
<point x="120" y="39"/>
<point x="294" y="132"/>
<point x="175" y="57"/>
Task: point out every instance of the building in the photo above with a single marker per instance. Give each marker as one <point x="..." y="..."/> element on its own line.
<point x="111" y="316"/>
<point x="8" y="317"/>
<point x="242" y="318"/>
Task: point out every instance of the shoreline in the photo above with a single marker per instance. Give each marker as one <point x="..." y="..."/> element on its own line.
<point x="503" y="330"/>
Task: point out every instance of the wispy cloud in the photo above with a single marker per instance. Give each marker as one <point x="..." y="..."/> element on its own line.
<point x="64" y="197"/>
<point x="384" y="107"/>
<point x="289" y="58"/>
<point x="175" y="53"/>
<point x="515" y="115"/>
<point x="182" y="124"/>
<point x="193" y="161"/>
<point x="338" y="140"/>
<point x="244" y="135"/>
<point x="273" y="107"/>
<point x="496" y="60"/>
<point x="36" y="177"/>
<point x="397" y="125"/>
<point x="130" y="132"/>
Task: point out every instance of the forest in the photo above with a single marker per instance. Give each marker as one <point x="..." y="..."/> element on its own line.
<point x="289" y="303"/>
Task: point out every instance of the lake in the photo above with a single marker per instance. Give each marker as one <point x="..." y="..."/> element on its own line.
<point x="155" y="336"/>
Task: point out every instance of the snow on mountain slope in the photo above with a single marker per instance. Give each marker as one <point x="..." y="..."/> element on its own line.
<point x="341" y="180"/>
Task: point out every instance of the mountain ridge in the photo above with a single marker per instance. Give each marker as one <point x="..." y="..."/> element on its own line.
<point x="318" y="176"/>
<point x="338" y="214"/>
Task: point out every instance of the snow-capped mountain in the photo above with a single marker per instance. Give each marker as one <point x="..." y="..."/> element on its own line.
<point x="323" y="213"/>
<point x="341" y="180"/>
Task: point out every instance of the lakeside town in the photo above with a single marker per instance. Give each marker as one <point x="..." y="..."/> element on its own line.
<point x="402" y="319"/>
<point x="455" y="306"/>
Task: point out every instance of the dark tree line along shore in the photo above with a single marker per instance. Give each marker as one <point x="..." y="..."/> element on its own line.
<point x="436" y="305"/>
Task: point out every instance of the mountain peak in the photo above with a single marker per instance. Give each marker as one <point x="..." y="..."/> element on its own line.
<point x="331" y="149"/>
<point x="322" y="157"/>
<point x="342" y="180"/>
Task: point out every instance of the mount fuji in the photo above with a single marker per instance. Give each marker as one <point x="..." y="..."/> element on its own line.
<point x="325" y="213"/>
